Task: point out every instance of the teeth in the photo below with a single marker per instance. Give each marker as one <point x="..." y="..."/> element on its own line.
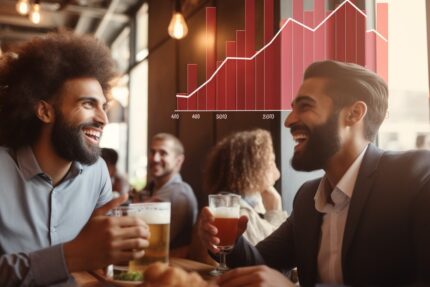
<point x="93" y="133"/>
<point x="298" y="137"/>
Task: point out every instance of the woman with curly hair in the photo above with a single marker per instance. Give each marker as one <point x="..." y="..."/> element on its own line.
<point x="244" y="163"/>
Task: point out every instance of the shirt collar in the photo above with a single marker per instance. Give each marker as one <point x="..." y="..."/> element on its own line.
<point x="29" y="166"/>
<point x="342" y="192"/>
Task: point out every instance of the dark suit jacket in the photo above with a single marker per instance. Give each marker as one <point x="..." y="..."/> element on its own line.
<point x="387" y="232"/>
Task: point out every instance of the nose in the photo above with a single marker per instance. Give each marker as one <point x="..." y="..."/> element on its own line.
<point x="101" y="117"/>
<point x="156" y="157"/>
<point x="290" y="120"/>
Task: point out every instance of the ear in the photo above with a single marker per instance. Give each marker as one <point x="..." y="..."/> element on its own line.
<point x="179" y="161"/>
<point x="355" y="113"/>
<point x="45" y="112"/>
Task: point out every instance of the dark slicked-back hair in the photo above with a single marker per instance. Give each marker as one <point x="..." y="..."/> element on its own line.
<point x="349" y="83"/>
<point x="37" y="71"/>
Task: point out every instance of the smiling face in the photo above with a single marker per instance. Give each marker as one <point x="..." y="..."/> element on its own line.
<point x="163" y="159"/>
<point x="314" y="126"/>
<point x="80" y="117"/>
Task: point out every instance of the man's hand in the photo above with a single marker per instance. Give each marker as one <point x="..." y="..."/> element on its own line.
<point x="207" y="231"/>
<point x="255" y="276"/>
<point x="107" y="239"/>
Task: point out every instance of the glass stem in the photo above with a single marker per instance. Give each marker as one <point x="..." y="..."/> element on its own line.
<point x="222" y="265"/>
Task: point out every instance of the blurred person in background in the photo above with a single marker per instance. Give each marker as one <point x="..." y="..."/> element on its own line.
<point x="166" y="156"/>
<point x="244" y="163"/>
<point x="423" y="141"/>
<point x="55" y="189"/>
<point x="120" y="184"/>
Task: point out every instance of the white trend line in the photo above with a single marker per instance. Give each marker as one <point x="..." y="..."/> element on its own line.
<point x="274" y="38"/>
<point x="378" y="34"/>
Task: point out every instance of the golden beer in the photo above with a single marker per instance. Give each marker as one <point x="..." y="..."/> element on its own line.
<point x="157" y="216"/>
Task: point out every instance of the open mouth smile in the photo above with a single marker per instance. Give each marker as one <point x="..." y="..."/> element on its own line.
<point x="300" y="139"/>
<point x="93" y="135"/>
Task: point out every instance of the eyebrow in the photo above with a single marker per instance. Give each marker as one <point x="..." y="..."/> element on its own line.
<point x="302" y="98"/>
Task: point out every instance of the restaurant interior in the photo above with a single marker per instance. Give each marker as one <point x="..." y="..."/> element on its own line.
<point x="165" y="49"/>
<point x="153" y="69"/>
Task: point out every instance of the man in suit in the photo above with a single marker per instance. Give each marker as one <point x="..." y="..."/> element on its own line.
<point x="366" y="221"/>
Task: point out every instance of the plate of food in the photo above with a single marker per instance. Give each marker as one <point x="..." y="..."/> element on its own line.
<point x="120" y="278"/>
<point x="156" y="274"/>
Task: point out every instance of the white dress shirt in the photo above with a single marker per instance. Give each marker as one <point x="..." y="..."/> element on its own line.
<point x="333" y="222"/>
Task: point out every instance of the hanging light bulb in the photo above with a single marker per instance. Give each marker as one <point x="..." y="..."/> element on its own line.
<point x="178" y="28"/>
<point x="35" y="13"/>
<point x="22" y="6"/>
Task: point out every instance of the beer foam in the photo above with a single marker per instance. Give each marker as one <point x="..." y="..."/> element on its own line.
<point x="153" y="212"/>
<point x="225" y="212"/>
<point x="156" y="217"/>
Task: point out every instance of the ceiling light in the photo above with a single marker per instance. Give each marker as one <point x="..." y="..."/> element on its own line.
<point x="35" y="13"/>
<point x="22" y="6"/>
<point x="178" y="26"/>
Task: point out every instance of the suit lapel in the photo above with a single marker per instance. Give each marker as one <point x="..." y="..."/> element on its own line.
<point x="314" y="235"/>
<point x="308" y="236"/>
<point x="362" y="189"/>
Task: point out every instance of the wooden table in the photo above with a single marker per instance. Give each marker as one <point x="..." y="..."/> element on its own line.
<point x="95" y="279"/>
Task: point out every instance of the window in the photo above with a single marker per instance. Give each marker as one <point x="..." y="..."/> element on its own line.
<point x="408" y="111"/>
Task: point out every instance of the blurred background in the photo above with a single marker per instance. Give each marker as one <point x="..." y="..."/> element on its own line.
<point x="153" y="67"/>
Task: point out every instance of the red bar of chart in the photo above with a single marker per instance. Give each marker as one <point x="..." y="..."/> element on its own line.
<point x="267" y="79"/>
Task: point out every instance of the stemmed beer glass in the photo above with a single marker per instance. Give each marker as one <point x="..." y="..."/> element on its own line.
<point x="226" y="209"/>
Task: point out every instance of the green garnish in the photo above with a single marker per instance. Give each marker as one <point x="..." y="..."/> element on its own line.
<point x="129" y="276"/>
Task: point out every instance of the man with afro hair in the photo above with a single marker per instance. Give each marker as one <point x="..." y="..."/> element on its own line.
<point x="55" y="190"/>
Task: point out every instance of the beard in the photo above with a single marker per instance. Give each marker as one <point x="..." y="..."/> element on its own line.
<point x="323" y="142"/>
<point x="69" y="143"/>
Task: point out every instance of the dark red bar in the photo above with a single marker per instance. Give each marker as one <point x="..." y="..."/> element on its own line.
<point x="340" y="43"/>
<point x="269" y="56"/>
<point x="210" y="56"/>
<point x="351" y="33"/>
<point x="297" y="46"/>
<point x="286" y="67"/>
<point x="361" y="42"/>
<point x="182" y="103"/>
<point x="259" y="81"/>
<point x="220" y="87"/>
<point x="319" y="36"/>
<point x="230" y="75"/>
<point x="273" y="75"/>
<point x="268" y="20"/>
<point x="201" y="99"/>
<point x="249" y="52"/>
<point x="240" y="70"/>
<point x="192" y="85"/>
<point x="329" y="37"/>
<point x="308" y="39"/>
<point x="249" y="27"/>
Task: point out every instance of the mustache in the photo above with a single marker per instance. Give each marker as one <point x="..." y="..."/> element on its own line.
<point x="299" y="127"/>
<point x="92" y="124"/>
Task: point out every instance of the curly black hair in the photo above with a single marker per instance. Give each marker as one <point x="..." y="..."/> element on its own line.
<point x="37" y="70"/>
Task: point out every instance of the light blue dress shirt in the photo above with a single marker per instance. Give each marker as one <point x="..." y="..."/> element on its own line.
<point x="36" y="218"/>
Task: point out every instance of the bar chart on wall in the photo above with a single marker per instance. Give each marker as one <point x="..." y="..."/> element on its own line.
<point x="267" y="79"/>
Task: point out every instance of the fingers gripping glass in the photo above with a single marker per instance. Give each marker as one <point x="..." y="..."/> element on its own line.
<point x="226" y="209"/>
